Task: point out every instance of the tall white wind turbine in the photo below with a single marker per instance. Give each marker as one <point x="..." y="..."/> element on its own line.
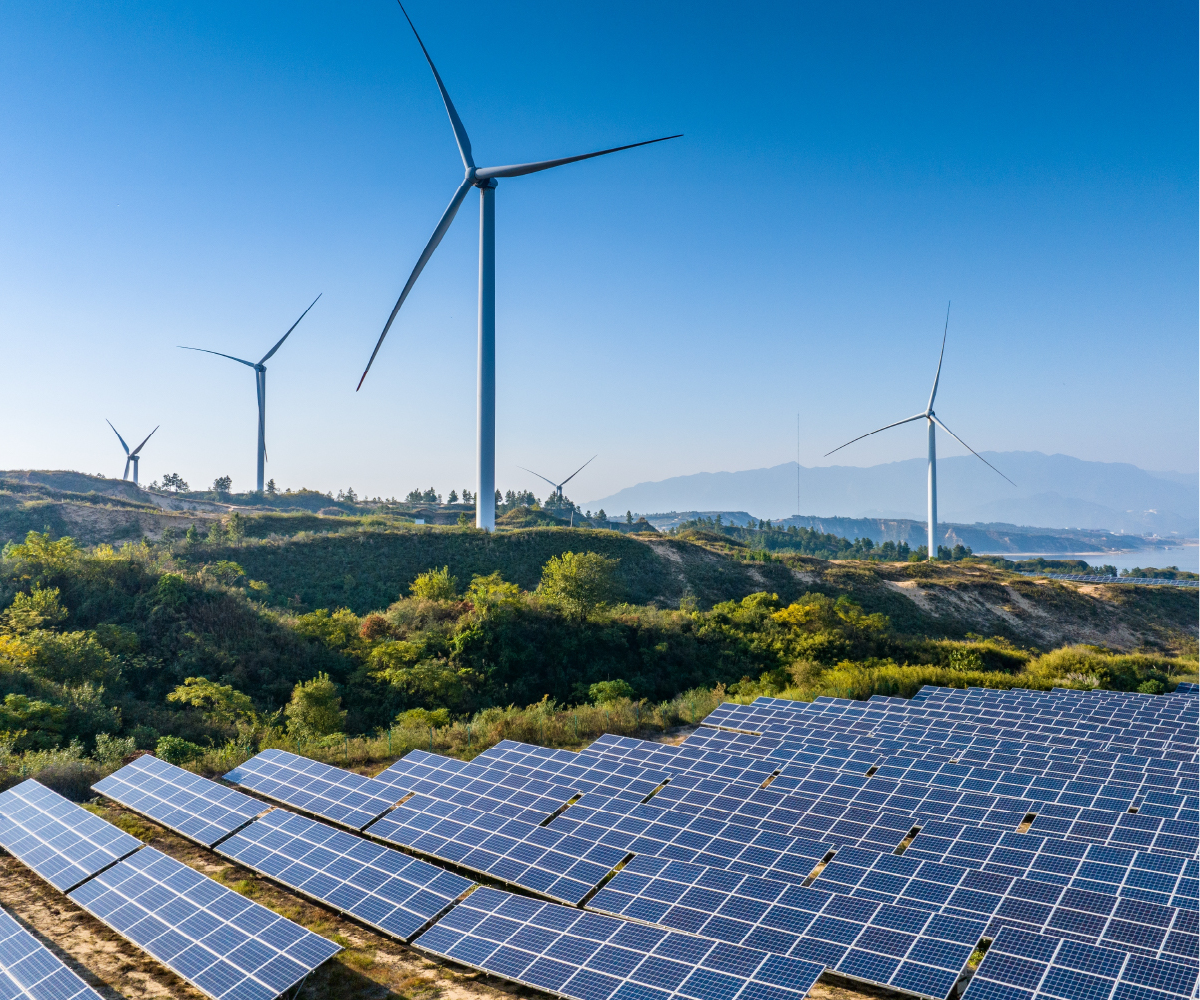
<point x="260" y="383"/>
<point x="131" y="457"/>
<point x="483" y="178"/>
<point x="558" y="487"/>
<point x="931" y="418"/>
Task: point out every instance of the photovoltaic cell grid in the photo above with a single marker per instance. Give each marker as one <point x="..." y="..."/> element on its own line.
<point x="914" y="950"/>
<point x="1021" y="966"/>
<point x="184" y="802"/>
<point x="222" y="943"/>
<point x="1097" y="917"/>
<point x="542" y="859"/>
<point x="586" y="956"/>
<point x="64" y="843"/>
<point x="377" y="885"/>
<point x="341" y="796"/>
<point x="28" y="969"/>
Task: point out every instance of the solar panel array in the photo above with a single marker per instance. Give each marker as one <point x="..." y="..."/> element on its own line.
<point x="342" y="796"/>
<point x="185" y="802"/>
<point x="222" y="943"/>
<point x="28" y="969"/>
<point x="586" y="956"/>
<point x="382" y="887"/>
<point x="64" y="843"/>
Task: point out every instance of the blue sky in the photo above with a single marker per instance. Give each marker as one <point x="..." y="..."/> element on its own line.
<point x="196" y="173"/>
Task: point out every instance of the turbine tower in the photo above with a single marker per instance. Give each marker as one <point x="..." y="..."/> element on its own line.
<point x="558" y="486"/>
<point x="483" y="178"/>
<point x="131" y="457"/>
<point x="260" y="382"/>
<point x="931" y="418"/>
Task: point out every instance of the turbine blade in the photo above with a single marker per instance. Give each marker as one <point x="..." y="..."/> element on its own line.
<point x="128" y="462"/>
<point x="205" y="350"/>
<point x="434" y="240"/>
<point x="971" y="450"/>
<point x="906" y="420"/>
<point x="539" y="475"/>
<point x="139" y="447"/>
<point x="577" y="471"/>
<point x="517" y="169"/>
<point x="940" y="356"/>
<point x="266" y="357"/>
<point x="460" y="133"/>
<point x="118" y="434"/>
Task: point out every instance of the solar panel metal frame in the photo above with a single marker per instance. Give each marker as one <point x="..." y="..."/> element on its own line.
<point x="170" y="911"/>
<point x="190" y="804"/>
<point x="31" y="970"/>
<point x="353" y="875"/>
<point x="586" y="956"/>
<point x="60" y="841"/>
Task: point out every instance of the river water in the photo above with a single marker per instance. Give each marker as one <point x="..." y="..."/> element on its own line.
<point x="1185" y="557"/>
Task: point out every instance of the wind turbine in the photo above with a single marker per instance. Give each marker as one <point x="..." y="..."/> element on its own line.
<point x="931" y="418"/>
<point x="558" y="486"/>
<point x="131" y="457"/>
<point x="260" y="381"/>
<point x="483" y="178"/>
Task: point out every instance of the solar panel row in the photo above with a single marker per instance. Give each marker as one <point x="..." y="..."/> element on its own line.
<point x="185" y="802"/>
<point x="222" y="943"/>
<point x="342" y="796"/>
<point x="586" y="956"/>
<point x="64" y="843"/>
<point x="29" y="970"/>
<point x="377" y="885"/>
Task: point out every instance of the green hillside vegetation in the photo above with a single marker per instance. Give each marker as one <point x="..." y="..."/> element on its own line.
<point x="222" y="642"/>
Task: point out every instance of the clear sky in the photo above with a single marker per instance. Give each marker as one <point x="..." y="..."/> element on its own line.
<point x="195" y="173"/>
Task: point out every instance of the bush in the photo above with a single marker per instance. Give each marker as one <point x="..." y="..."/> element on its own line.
<point x="606" y="691"/>
<point x="435" y="585"/>
<point x="581" y="582"/>
<point x="315" y="709"/>
<point x="177" y="751"/>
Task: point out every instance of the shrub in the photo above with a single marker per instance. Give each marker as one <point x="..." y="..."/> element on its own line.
<point x="315" y="708"/>
<point x="177" y="751"/>
<point x="606" y="691"/>
<point x="435" y="585"/>
<point x="374" y="627"/>
<point x="581" y="582"/>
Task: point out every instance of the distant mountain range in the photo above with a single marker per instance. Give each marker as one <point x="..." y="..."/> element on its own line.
<point x="1052" y="491"/>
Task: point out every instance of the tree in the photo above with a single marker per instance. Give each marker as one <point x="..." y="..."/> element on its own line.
<point x="606" y="691"/>
<point x="629" y="517"/>
<point x="468" y="496"/>
<point x="580" y="582"/>
<point x="435" y="585"/>
<point x="431" y="496"/>
<point x="601" y="516"/>
<point x="499" y="498"/>
<point x="236" y="528"/>
<point x="272" y="489"/>
<point x="351" y="496"/>
<point x="174" y="481"/>
<point x="222" y="484"/>
<point x="36" y="610"/>
<point x="414" y="496"/>
<point x="220" y="703"/>
<point x="452" y="498"/>
<point x="315" y="708"/>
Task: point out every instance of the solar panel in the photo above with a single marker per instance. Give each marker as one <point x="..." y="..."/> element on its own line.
<point x="329" y="792"/>
<point x="586" y="956"/>
<point x="28" y="969"/>
<point x="379" y="886"/>
<point x="543" y="859"/>
<point x="64" y="843"/>
<point x="182" y="801"/>
<point x="1022" y="966"/>
<point x="910" y="949"/>
<point x="226" y="946"/>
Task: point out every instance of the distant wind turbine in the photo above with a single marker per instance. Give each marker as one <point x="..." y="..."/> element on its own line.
<point x="558" y="487"/>
<point x="260" y="381"/>
<point x="931" y="418"/>
<point x="131" y="457"/>
<point x="483" y="178"/>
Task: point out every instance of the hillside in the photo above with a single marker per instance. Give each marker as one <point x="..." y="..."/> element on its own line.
<point x="1052" y="491"/>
